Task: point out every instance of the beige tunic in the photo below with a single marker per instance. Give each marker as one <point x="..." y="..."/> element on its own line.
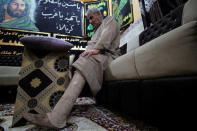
<point x="107" y="39"/>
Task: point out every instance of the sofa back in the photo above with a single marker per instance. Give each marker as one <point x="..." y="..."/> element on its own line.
<point x="162" y="26"/>
<point x="10" y="62"/>
<point x="189" y="12"/>
<point x="181" y="15"/>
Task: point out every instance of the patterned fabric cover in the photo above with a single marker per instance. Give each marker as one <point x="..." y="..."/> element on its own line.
<point x="43" y="79"/>
<point x="162" y="26"/>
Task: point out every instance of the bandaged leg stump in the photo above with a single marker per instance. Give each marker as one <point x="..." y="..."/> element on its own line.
<point x="43" y="80"/>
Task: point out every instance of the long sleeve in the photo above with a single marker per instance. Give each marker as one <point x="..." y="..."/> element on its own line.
<point x="110" y="30"/>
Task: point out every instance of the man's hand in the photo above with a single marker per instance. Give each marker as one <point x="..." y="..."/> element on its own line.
<point x="90" y="52"/>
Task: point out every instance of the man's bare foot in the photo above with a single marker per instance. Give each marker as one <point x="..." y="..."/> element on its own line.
<point x="39" y="120"/>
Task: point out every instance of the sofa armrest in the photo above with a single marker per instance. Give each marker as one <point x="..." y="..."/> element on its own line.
<point x="189" y="13"/>
<point x="9" y="75"/>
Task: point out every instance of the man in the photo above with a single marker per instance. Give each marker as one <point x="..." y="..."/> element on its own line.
<point x="15" y="14"/>
<point x="101" y="50"/>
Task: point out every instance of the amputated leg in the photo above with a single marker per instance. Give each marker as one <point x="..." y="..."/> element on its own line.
<point x="58" y="116"/>
<point x="64" y="106"/>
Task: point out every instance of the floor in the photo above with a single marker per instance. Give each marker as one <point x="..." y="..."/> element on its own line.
<point x="85" y="116"/>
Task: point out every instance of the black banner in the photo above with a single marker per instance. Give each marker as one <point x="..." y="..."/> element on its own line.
<point x="122" y="12"/>
<point x="60" y="16"/>
<point x="79" y="43"/>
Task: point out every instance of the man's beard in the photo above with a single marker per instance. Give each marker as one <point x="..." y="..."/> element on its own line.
<point x="16" y="13"/>
<point x="95" y="28"/>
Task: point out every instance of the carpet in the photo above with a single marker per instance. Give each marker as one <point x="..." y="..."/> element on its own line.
<point x="85" y="116"/>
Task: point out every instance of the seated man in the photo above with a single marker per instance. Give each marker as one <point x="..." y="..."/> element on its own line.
<point x="101" y="50"/>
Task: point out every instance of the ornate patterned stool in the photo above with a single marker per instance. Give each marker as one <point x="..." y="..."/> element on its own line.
<point x="43" y="79"/>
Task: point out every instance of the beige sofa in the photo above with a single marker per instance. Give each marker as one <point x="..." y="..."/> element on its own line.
<point x="171" y="54"/>
<point x="156" y="82"/>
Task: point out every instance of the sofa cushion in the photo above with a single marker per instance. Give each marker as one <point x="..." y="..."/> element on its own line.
<point x="171" y="54"/>
<point x="45" y="43"/>
<point x="189" y="13"/>
<point x="122" y="68"/>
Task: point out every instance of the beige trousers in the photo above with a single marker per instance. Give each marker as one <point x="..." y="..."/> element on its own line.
<point x="58" y="116"/>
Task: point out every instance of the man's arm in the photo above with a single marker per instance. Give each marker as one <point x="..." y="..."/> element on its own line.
<point x="109" y="32"/>
<point x="90" y="52"/>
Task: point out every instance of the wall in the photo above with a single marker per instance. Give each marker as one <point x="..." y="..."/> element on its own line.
<point x="130" y="36"/>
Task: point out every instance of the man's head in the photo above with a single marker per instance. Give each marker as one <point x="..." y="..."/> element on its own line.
<point x="17" y="8"/>
<point x="95" y="17"/>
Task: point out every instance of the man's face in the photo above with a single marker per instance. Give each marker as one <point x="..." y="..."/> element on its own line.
<point x="17" y="8"/>
<point x="94" y="19"/>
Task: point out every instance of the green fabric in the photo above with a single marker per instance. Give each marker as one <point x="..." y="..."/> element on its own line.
<point x="24" y="23"/>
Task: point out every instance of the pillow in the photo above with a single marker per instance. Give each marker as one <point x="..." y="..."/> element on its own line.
<point x="45" y="43"/>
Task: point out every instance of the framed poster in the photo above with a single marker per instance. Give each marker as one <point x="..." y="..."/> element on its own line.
<point x="53" y="16"/>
